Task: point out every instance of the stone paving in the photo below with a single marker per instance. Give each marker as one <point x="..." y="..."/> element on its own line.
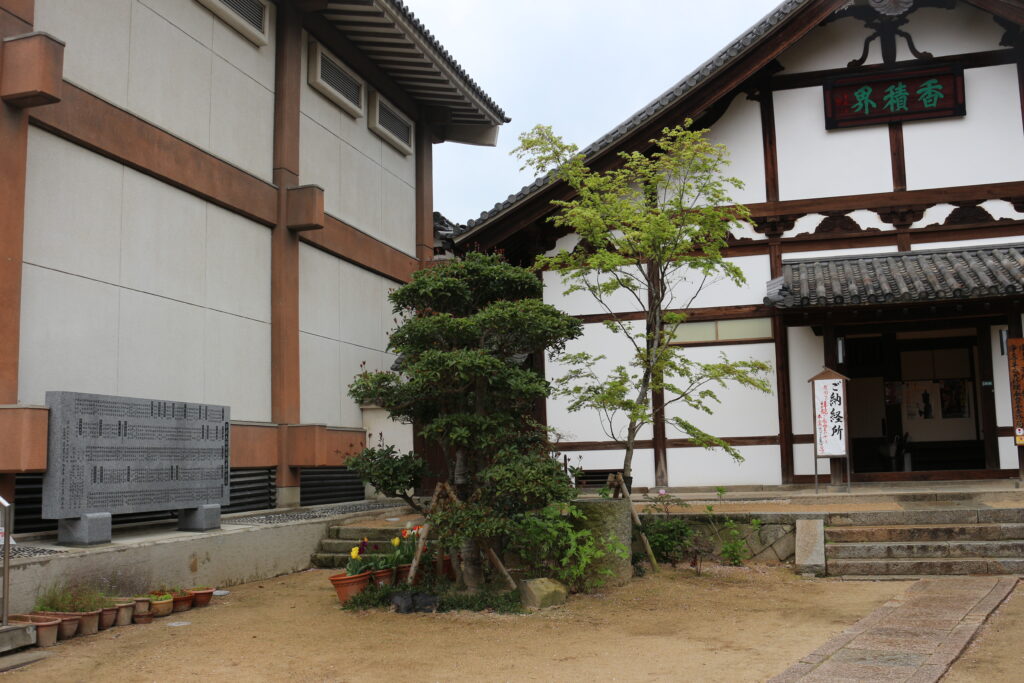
<point x="914" y="638"/>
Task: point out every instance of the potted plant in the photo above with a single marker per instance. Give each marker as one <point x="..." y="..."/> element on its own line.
<point x="108" y="614"/>
<point x="77" y="606"/>
<point x="125" y="611"/>
<point x="143" y="608"/>
<point x="404" y="552"/>
<point x="161" y="604"/>
<point x="182" y="600"/>
<point x="384" y="567"/>
<point x="202" y="595"/>
<point x="46" y="627"/>
<point x="355" y="578"/>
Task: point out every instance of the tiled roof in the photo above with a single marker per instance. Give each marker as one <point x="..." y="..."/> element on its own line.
<point x="727" y="56"/>
<point x="977" y="273"/>
<point x="391" y="35"/>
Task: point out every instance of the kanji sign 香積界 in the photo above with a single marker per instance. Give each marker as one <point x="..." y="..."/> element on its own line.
<point x="904" y="95"/>
<point x="829" y="418"/>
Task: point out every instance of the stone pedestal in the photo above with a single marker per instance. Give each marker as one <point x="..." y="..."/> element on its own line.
<point x="608" y="518"/>
<point x="810" y="546"/>
<point x="92" y="528"/>
<point x="202" y="518"/>
<point x="288" y="497"/>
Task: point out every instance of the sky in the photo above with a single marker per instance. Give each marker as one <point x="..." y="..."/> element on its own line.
<point x="580" y="66"/>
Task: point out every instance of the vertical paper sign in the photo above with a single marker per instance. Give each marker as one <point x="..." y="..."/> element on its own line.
<point x="829" y="418"/>
<point x="1015" y="356"/>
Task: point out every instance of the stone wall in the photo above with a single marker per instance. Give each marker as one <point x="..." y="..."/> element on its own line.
<point x="773" y="543"/>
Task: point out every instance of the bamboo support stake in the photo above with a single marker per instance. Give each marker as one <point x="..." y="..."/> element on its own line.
<point x="421" y="544"/>
<point x="496" y="561"/>
<point x="639" y="528"/>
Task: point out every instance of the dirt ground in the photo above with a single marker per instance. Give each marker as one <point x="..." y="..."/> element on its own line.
<point x="732" y="624"/>
<point x="995" y="653"/>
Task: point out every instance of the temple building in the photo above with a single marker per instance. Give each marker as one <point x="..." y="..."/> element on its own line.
<point x="881" y="143"/>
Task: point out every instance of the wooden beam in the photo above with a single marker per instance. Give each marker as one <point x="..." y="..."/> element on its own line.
<point x="897" y="157"/>
<point x="424" y="192"/>
<point x="782" y="394"/>
<point x="768" y="141"/>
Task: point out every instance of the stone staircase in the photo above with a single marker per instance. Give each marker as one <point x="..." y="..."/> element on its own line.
<point x="333" y="551"/>
<point x="968" y="538"/>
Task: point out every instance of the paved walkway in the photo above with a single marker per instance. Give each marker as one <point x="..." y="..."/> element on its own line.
<point x="914" y="638"/>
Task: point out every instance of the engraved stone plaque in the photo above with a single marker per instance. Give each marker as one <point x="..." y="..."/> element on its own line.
<point x="121" y="455"/>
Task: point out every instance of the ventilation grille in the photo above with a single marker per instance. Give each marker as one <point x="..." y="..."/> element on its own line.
<point x="323" y="485"/>
<point x="252" y="12"/>
<point x="340" y="80"/>
<point x="393" y="123"/>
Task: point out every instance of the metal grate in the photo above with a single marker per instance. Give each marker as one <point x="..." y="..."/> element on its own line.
<point x="322" y="485"/>
<point x="594" y="479"/>
<point x="340" y="81"/>
<point x="392" y="121"/>
<point x="251" y="489"/>
<point x="252" y="12"/>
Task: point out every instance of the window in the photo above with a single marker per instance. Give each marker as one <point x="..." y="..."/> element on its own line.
<point x="248" y="17"/>
<point x="723" y="331"/>
<point x="390" y="124"/>
<point x="334" y="81"/>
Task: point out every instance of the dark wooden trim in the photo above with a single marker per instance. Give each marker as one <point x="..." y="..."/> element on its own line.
<point x="641" y="444"/>
<point x="970" y="60"/>
<point x="725" y="342"/>
<point x="783" y="397"/>
<point x="768" y="139"/>
<point x="693" y="315"/>
<point x="803" y="438"/>
<point x="285" y="388"/>
<point x="923" y="475"/>
<point x="987" y="409"/>
<point x="1010" y="10"/>
<point x="897" y="157"/>
<point x="1020" y="84"/>
<point x="86" y="120"/>
<point x="768" y="440"/>
<point x="353" y="245"/>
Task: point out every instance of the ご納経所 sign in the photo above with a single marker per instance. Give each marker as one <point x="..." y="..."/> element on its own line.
<point x="829" y="418"/>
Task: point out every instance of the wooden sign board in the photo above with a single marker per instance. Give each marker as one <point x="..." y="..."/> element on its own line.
<point x="831" y="436"/>
<point x="1015" y="357"/>
<point x="901" y="95"/>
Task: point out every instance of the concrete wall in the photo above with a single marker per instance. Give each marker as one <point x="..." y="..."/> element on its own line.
<point x="176" y="65"/>
<point x="367" y="182"/>
<point x="135" y="288"/>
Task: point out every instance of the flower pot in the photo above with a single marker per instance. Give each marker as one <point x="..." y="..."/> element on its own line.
<point x="202" y="597"/>
<point x="183" y="603"/>
<point x="384" y="577"/>
<point x="161" y="608"/>
<point x="125" y="612"/>
<point x="146" y="618"/>
<point x="108" y="615"/>
<point x="46" y="627"/>
<point x="402" y="573"/>
<point x="68" y="623"/>
<point x="142" y="606"/>
<point x="347" y="586"/>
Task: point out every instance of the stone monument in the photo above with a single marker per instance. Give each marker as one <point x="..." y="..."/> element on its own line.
<point x="111" y="455"/>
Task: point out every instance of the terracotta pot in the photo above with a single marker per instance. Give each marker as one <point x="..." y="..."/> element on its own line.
<point x="68" y="623"/>
<point x="146" y="618"/>
<point x="347" y="586"/>
<point x="384" y="577"/>
<point x="46" y="627"/>
<point x="202" y="597"/>
<point x="183" y="603"/>
<point x="161" y="608"/>
<point x="402" y="573"/>
<point x="88" y="622"/>
<point x="142" y="606"/>
<point x="125" y="612"/>
<point x="108" y="615"/>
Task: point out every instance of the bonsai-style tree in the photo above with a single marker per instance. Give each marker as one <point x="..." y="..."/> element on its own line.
<point x="463" y="378"/>
<point x="651" y="231"/>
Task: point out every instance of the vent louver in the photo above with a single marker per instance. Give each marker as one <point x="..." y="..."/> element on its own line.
<point x="252" y="12"/>
<point x="343" y="82"/>
<point x="390" y="124"/>
<point x="394" y="124"/>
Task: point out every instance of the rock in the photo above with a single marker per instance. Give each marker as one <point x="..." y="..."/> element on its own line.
<point x="540" y="593"/>
<point x="810" y="546"/>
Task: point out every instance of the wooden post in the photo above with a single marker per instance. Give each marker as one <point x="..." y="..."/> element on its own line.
<point x="500" y="568"/>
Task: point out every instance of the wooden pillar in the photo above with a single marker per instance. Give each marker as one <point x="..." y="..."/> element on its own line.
<point x="987" y="409"/>
<point x="424" y="192"/>
<point x="657" y="394"/>
<point x="284" y="281"/>
<point x="780" y="333"/>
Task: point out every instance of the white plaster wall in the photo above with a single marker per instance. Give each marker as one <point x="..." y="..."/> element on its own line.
<point x="367" y="183"/>
<point x="1008" y="459"/>
<point x="829" y="253"/>
<point x="723" y="292"/>
<point x="582" y="303"/>
<point x="803" y="461"/>
<point x="585" y="425"/>
<point x="344" y="321"/>
<point x="176" y="65"/>
<point x="985" y="146"/>
<point x="739" y="130"/>
<point x="643" y="463"/>
<point x="701" y="467"/>
<point x="135" y="288"/>
<point x="814" y="162"/>
<point x="806" y="359"/>
<point x="741" y="411"/>
<point x="1009" y="239"/>
<point x="1001" y="380"/>
<point x="831" y="46"/>
<point x="943" y="32"/>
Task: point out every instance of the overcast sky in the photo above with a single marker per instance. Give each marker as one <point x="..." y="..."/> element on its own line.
<point x="581" y="66"/>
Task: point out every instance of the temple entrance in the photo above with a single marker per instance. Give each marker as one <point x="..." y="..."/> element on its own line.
<point x="916" y="402"/>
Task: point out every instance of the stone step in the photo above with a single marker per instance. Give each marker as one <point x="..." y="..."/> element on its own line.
<point x="330" y="560"/>
<point x="358" y="533"/>
<point x="928" y="566"/>
<point x="922" y="533"/>
<point x="344" y="546"/>
<point x="950" y="549"/>
<point x="919" y="517"/>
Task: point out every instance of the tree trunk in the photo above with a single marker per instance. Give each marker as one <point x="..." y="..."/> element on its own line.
<point x="472" y="573"/>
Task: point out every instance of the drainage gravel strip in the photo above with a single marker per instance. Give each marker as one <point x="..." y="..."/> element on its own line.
<point x="316" y="513"/>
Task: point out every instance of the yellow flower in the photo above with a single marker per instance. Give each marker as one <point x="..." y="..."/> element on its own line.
<point x="396" y="541"/>
<point x="355" y="553"/>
